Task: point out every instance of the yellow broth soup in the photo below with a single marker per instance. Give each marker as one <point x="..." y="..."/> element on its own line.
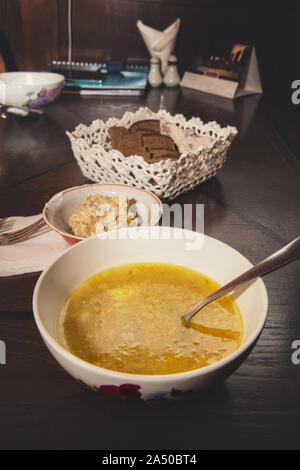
<point x="129" y="319"/>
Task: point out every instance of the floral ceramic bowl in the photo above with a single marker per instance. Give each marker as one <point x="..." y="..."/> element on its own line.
<point x="30" y="89"/>
<point x="170" y="245"/>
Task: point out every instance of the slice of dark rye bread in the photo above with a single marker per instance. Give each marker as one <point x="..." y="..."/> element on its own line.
<point x="153" y="147"/>
<point x="146" y="124"/>
<point x="158" y="141"/>
<point x="131" y="144"/>
<point x="144" y="132"/>
<point x="129" y="150"/>
<point x="119" y="135"/>
<point x="116" y="134"/>
<point x="155" y="155"/>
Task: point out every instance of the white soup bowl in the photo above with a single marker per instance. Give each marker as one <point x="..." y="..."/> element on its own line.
<point x="147" y="244"/>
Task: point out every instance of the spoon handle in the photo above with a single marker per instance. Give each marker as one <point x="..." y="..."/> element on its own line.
<point x="18" y="110"/>
<point x="285" y="255"/>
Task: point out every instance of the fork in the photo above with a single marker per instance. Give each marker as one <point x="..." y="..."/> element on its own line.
<point x="22" y="234"/>
<point x="6" y="224"/>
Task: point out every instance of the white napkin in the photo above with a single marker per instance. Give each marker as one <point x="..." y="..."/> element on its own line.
<point x="33" y="254"/>
<point x="160" y="43"/>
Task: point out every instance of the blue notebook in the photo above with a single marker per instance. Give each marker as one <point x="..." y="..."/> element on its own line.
<point x="102" y="78"/>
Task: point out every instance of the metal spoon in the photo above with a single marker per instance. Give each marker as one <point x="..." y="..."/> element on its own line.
<point x="285" y="255"/>
<point x="18" y="111"/>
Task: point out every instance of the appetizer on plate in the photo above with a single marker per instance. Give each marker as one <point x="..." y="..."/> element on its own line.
<point x="100" y="213"/>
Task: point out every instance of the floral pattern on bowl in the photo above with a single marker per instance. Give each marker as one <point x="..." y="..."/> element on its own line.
<point x="124" y="391"/>
<point x="43" y="97"/>
<point x="131" y="392"/>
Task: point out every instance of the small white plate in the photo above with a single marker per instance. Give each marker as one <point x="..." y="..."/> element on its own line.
<point x="58" y="210"/>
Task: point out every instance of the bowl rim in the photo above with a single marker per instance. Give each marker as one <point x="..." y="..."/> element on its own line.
<point x="154" y="378"/>
<point x="60" y="194"/>
<point x="59" y="77"/>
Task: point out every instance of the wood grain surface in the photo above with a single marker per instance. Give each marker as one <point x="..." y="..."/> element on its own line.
<point x="103" y="30"/>
<point x="252" y="204"/>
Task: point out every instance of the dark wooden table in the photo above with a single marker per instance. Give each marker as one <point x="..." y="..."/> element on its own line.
<point x="252" y="204"/>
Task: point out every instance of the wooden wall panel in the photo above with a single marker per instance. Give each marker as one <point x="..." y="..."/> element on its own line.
<point x="40" y="29"/>
<point x="106" y="29"/>
<point x="31" y="27"/>
<point x="11" y="26"/>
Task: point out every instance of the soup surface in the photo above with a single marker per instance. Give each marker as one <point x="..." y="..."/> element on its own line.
<point x="129" y="319"/>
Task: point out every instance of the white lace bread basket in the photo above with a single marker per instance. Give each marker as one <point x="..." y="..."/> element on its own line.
<point x="165" y="178"/>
